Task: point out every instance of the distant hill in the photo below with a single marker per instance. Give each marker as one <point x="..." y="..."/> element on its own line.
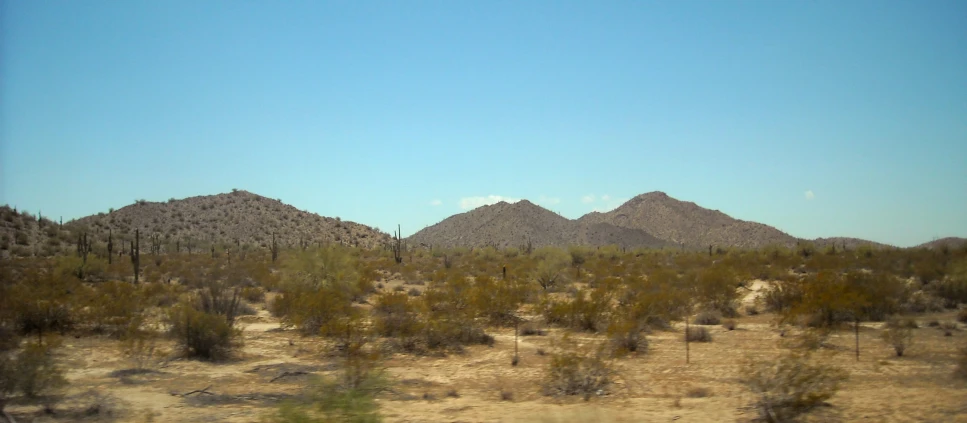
<point x="502" y="224"/>
<point x="685" y="223"/>
<point x="950" y="242"/>
<point x="238" y="220"/>
<point x="653" y="220"/>
<point x="849" y="243"/>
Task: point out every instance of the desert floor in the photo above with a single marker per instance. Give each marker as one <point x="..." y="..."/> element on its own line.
<point x="656" y="386"/>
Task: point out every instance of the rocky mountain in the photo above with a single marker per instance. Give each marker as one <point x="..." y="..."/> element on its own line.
<point x="502" y="224"/>
<point x="653" y="220"/>
<point x="686" y="223"/>
<point x="239" y="219"/>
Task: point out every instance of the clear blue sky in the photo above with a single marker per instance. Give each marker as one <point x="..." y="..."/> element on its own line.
<point x="409" y="111"/>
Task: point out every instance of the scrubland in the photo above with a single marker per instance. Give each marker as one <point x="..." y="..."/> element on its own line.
<point x="333" y="333"/>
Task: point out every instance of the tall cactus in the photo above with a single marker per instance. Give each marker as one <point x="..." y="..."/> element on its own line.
<point x="110" y="247"/>
<point x="398" y="247"/>
<point x="136" y="254"/>
<point x="275" y="248"/>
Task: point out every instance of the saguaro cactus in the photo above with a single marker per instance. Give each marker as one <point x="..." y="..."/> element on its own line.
<point x="398" y="247"/>
<point x="136" y="254"/>
<point x="110" y="246"/>
<point x="275" y="248"/>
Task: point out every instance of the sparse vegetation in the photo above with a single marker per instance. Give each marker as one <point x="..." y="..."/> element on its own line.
<point x="790" y="386"/>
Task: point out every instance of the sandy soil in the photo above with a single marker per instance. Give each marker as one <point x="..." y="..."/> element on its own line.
<point x="650" y="387"/>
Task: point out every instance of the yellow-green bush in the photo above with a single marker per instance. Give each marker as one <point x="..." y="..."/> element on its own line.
<point x="202" y="335"/>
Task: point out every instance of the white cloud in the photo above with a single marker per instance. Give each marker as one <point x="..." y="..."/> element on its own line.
<point x="436" y="203"/>
<point x="809" y="194"/>
<point x="588" y="199"/>
<point x="548" y="201"/>
<point x="605" y="197"/>
<point x="469" y="203"/>
<point x="610" y="204"/>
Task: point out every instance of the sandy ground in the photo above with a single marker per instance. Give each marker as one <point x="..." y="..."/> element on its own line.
<point x="650" y="387"/>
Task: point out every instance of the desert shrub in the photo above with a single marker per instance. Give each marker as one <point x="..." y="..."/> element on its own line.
<point x="790" y="386"/>
<point x="707" y="318"/>
<point x="698" y="334"/>
<point x="625" y="337"/>
<point x="217" y="298"/>
<point x="497" y="300"/>
<point x="202" y="335"/>
<point x="453" y="333"/>
<point x="31" y="371"/>
<point x="113" y="306"/>
<point x="253" y="294"/>
<point x="573" y="373"/>
<point x="530" y="329"/>
<point x="922" y="302"/>
<point x="730" y="324"/>
<point x="413" y="292"/>
<point x="550" y="267"/>
<point x="335" y="400"/>
<point x="715" y="289"/>
<point x="396" y="315"/>
<point x="953" y="288"/>
<point x="782" y="295"/>
<point x="318" y="286"/>
<point x="44" y="301"/>
<point x="962" y="316"/>
<point x="898" y="336"/>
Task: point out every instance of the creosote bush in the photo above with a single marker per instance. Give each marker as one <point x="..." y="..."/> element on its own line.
<point x="789" y="386"/>
<point x="202" y="335"/>
<point x="707" y="318"/>
<point x="899" y="335"/>
<point x="698" y="334"/>
<point x="575" y="373"/>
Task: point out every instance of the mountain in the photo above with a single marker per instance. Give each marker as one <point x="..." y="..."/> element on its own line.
<point x="239" y="219"/>
<point x="503" y="224"/>
<point x="653" y="220"/>
<point x="686" y="223"/>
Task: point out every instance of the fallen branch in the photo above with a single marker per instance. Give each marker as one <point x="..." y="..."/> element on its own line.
<point x="284" y="374"/>
<point x="199" y="391"/>
<point x="9" y="418"/>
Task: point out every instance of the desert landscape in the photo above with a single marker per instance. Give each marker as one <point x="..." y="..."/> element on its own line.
<point x="506" y="313"/>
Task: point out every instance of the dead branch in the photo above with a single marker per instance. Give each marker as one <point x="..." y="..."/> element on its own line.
<point x="199" y="391"/>
<point x="284" y="374"/>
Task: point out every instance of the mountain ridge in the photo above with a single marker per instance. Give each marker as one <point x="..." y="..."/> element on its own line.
<point x="653" y="219"/>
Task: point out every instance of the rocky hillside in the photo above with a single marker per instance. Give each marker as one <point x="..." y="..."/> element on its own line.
<point x="652" y="220"/>
<point x="686" y="223"/>
<point x="237" y="220"/>
<point x="949" y="242"/>
<point x="502" y="224"/>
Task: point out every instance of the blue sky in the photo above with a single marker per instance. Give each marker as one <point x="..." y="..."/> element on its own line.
<point x="822" y="118"/>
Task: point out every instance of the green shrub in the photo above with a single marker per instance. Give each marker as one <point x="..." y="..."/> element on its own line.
<point x="625" y="337"/>
<point x="573" y="373"/>
<point x="202" y="335"/>
<point x="31" y="371"/>
<point x="790" y="386"/>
